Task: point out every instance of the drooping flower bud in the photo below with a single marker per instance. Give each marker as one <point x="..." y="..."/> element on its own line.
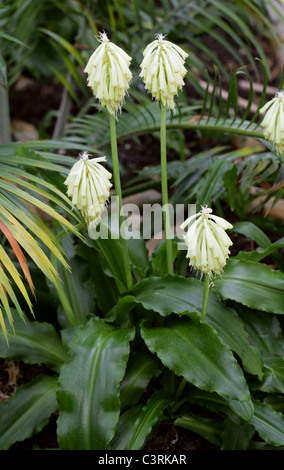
<point x="273" y="121"/>
<point x="207" y="242"/>
<point x="163" y="70"/>
<point x="109" y="75"/>
<point x="88" y="187"/>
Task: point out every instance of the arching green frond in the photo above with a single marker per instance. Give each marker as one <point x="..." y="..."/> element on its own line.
<point x="27" y="201"/>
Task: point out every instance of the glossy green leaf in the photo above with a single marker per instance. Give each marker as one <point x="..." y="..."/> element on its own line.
<point x="266" y="334"/>
<point x="109" y="249"/>
<point x="266" y="248"/>
<point x="139" y="429"/>
<point x="88" y="393"/>
<point x="34" y="343"/>
<point x="236" y="436"/>
<point x="141" y="369"/>
<point x="253" y="284"/>
<point x="177" y="294"/>
<point x="28" y="411"/>
<point x="125" y="428"/>
<point x="208" y="428"/>
<point x="193" y="350"/>
<point x="269" y="423"/>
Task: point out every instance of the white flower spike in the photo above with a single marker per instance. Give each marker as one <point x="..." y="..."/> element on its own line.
<point x="273" y="121"/>
<point x="162" y="70"/>
<point x="109" y="75"/>
<point x="88" y="186"/>
<point x="207" y="242"/>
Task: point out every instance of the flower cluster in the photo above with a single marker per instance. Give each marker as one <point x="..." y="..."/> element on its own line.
<point x="273" y="121"/>
<point x="109" y="75"/>
<point x="163" y="70"/>
<point x="88" y="187"/>
<point x="207" y="242"/>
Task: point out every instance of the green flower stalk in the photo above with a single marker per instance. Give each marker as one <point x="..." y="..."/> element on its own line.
<point x="162" y="70"/>
<point x="207" y="246"/>
<point x="88" y="186"/>
<point x="109" y="75"/>
<point x="273" y="121"/>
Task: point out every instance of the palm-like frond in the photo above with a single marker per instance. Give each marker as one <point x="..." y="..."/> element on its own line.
<point x="23" y="193"/>
<point x="218" y="109"/>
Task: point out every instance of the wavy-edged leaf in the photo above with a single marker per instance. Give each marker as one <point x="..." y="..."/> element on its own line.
<point x="236" y="436"/>
<point x="269" y="423"/>
<point x="140" y="370"/>
<point x="88" y="393"/>
<point x="28" y="411"/>
<point x="139" y="422"/>
<point x="34" y="342"/>
<point x="177" y="294"/>
<point x="193" y="350"/>
<point x="253" y="284"/>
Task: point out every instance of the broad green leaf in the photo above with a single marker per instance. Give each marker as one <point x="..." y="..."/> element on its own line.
<point x="193" y="350"/>
<point x="140" y="370"/>
<point x="208" y="428"/>
<point x="177" y="294"/>
<point x="139" y="429"/>
<point x="28" y="411"/>
<point x="264" y="330"/>
<point x="125" y="428"/>
<point x="253" y="232"/>
<point x="236" y="436"/>
<point x="159" y="258"/>
<point x="273" y="374"/>
<point x="252" y="284"/>
<point x="138" y="255"/>
<point x="34" y="343"/>
<point x="100" y="282"/>
<point x="88" y="393"/>
<point x="76" y="291"/>
<point x="269" y="423"/>
<point x="235" y="410"/>
<point x="109" y="248"/>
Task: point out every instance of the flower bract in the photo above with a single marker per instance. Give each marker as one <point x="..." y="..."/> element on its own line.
<point x="163" y="71"/>
<point x="88" y="186"/>
<point x="207" y="242"/>
<point x="109" y="75"/>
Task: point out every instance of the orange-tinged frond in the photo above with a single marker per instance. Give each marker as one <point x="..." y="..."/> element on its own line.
<point x="19" y="254"/>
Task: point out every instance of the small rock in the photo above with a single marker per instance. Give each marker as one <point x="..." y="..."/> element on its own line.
<point x="22" y="130"/>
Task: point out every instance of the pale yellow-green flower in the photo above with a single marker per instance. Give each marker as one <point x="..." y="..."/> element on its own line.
<point x="88" y="186"/>
<point x="109" y="75"/>
<point x="162" y="70"/>
<point x="207" y="242"/>
<point x="273" y="121"/>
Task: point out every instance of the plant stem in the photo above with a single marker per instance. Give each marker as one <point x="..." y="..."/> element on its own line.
<point x="205" y="297"/>
<point x="5" y="126"/>
<point x="117" y="186"/>
<point x="164" y="181"/>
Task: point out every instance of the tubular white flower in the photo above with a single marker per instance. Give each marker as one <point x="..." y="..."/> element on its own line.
<point x="273" y="121"/>
<point x="109" y="75"/>
<point x="207" y="242"/>
<point x="88" y="187"/>
<point x="162" y="70"/>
